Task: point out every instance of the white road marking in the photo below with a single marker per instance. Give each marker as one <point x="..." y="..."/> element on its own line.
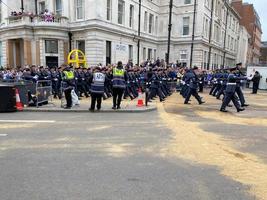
<point x="27" y="121"/>
<point x="3" y="135"/>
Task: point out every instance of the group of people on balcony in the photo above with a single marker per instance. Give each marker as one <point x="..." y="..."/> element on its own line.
<point x="45" y="16"/>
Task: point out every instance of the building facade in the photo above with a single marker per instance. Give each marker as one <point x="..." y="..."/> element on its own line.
<point x="107" y="31"/>
<point x="251" y="20"/>
<point x="243" y="46"/>
<point x="263" y="58"/>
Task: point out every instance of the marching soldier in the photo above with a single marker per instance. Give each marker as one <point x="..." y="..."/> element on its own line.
<point x="193" y="86"/>
<point x="230" y="92"/>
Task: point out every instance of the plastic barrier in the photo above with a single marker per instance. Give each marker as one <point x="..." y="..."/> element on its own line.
<point x="43" y="92"/>
<point x="8" y="98"/>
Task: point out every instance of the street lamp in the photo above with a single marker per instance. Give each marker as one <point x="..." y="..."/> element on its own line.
<point x="193" y="34"/>
<point x="36" y="8"/>
<point x="22" y="6"/>
<point x="169" y="33"/>
<point x="139" y="32"/>
<point x="210" y="33"/>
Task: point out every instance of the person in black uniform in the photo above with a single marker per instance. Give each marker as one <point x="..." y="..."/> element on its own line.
<point x="69" y="83"/>
<point x="97" y="88"/>
<point x="256" y="82"/>
<point x="119" y="79"/>
<point x="230" y="92"/>
<point x="193" y="86"/>
<point x="55" y="78"/>
<point x="239" y="91"/>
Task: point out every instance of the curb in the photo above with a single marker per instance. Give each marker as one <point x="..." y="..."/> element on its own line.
<point x="149" y="109"/>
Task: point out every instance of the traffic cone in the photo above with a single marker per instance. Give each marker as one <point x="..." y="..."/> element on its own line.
<point x="18" y="102"/>
<point x="140" y="102"/>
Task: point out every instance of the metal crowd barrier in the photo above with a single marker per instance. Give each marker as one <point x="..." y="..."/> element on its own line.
<point x="63" y="100"/>
<point x="43" y="92"/>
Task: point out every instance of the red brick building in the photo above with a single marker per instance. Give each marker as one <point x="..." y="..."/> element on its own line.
<point x="251" y="20"/>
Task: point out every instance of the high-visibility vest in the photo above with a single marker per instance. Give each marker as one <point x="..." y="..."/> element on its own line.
<point x="118" y="80"/>
<point x="98" y="83"/>
<point x="69" y="75"/>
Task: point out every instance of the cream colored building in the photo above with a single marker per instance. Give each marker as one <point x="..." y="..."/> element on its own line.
<point x="107" y="31"/>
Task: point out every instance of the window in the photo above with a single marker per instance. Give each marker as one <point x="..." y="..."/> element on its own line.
<point x="151" y="22"/>
<point x="51" y="46"/>
<point x="186" y="25"/>
<point x="205" y="59"/>
<point x="79" y="9"/>
<point x="144" y="53"/>
<point x="130" y="52"/>
<point x="81" y="45"/>
<point x="207" y="28"/>
<point x="155" y="53"/>
<point x="131" y="17"/>
<point x="120" y="12"/>
<point x="187" y="1"/>
<point x="145" y="22"/>
<point x="156" y="25"/>
<point x="42" y="7"/>
<point x="1" y="52"/>
<point x="183" y="55"/>
<point x="109" y="10"/>
<point x="58" y="7"/>
<point x="149" y="54"/>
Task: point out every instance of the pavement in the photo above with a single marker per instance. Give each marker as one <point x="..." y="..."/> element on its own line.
<point x="127" y="106"/>
<point x="185" y="152"/>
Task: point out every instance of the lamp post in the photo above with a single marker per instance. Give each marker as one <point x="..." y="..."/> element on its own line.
<point x="225" y="34"/>
<point x="210" y="33"/>
<point x="36" y="8"/>
<point x="22" y="6"/>
<point x="169" y="33"/>
<point x="139" y="32"/>
<point x="193" y="34"/>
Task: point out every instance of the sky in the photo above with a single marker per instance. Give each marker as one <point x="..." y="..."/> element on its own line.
<point x="260" y="6"/>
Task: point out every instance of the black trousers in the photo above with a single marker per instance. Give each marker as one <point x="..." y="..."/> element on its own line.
<point x="81" y="87"/>
<point x="194" y="93"/>
<point x="117" y="96"/>
<point x="220" y="92"/>
<point x="228" y="98"/>
<point x="201" y="87"/>
<point x="213" y="88"/>
<point x="240" y="95"/>
<point x="96" y="98"/>
<point x="255" y="87"/>
<point x="68" y="97"/>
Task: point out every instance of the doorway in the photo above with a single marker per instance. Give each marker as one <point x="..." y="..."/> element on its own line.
<point x="51" y="61"/>
<point x="108" y="52"/>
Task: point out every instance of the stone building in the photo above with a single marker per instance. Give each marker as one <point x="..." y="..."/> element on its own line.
<point x="107" y="31"/>
<point x="251" y="20"/>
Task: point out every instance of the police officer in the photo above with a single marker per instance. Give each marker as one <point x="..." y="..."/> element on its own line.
<point x="119" y="80"/>
<point x="97" y="89"/>
<point x="68" y="79"/>
<point x="230" y="92"/>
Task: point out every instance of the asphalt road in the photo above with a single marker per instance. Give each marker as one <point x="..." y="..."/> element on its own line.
<point x="80" y="156"/>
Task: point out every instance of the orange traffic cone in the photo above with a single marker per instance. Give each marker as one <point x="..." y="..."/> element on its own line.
<point x="140" y="102"/>
<point x="18" y="102"/>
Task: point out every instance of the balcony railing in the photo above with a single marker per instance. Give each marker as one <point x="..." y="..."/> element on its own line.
<point x="36" y="20"/>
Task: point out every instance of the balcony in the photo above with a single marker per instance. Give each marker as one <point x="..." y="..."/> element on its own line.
<point x="35" y="20"/>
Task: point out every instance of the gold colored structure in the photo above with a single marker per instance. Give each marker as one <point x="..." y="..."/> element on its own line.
<point x="76" y="58"/>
